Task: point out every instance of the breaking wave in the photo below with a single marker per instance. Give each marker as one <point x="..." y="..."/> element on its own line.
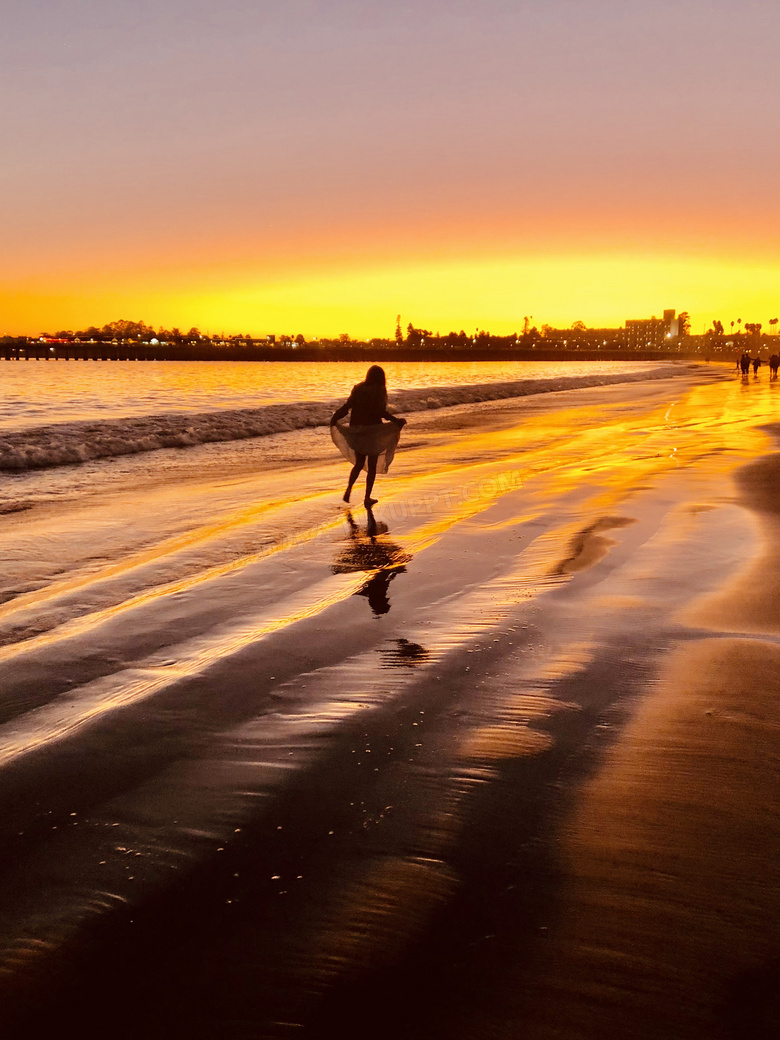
<point x="59" y="444"/>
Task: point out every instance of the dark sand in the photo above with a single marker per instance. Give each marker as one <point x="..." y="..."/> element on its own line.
<point x="506" y="767"/>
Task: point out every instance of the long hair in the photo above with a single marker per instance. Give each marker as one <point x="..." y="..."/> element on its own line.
<point x="376" y="377"/>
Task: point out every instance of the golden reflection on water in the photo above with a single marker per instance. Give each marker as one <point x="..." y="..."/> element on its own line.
<point x="710" y="424"/>
<point x="453" y="481"/>
<point x="66" y="716"/>
<point x="707" y="424"/>
<point x="162" y="551"/>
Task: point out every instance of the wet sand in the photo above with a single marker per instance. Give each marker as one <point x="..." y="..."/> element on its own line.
<point x="504" y="765"/>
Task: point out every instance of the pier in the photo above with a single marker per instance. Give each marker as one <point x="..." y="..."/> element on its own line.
<point x="261" y="350"/>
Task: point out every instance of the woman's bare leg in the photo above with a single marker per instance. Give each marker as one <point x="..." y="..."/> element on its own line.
<point x="368" y="501"/>
<point x="354" y="473"/>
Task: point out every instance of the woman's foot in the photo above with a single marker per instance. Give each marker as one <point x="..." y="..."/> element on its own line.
<point x="345" y="497"/>
<point x="368" y="502"/>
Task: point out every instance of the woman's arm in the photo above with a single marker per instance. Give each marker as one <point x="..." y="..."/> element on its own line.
<point x="341" y="412"/>
<point x="394" y="418"/>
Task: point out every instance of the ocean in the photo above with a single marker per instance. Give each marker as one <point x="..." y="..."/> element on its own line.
<point x="34" y="393"/>
<point x="57" y="413"/>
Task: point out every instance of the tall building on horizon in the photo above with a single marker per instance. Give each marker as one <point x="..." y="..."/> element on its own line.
<point x="652" y="333"/>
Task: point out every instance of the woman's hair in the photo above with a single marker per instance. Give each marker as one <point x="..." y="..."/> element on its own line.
<point x="376" y="376"/>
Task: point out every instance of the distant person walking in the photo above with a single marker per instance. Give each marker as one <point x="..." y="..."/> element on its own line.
<point x="774" y="364"/>
<point x="756" y="363"/>
<point x="367" y="441"/>
<point x="744" y="364"/>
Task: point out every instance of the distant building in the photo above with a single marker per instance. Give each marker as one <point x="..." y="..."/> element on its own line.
<point x="652" y="333"/>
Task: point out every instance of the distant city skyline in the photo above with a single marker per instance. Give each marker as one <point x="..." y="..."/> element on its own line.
<point x="319" y="168"/>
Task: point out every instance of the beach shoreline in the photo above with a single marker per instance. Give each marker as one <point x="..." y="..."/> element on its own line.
<point x="262" y="767"/>
<point x="134" y="423"/>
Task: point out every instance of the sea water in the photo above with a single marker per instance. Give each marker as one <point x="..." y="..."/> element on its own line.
<point x="36" y="393"/>
<point x="56" y="414"/>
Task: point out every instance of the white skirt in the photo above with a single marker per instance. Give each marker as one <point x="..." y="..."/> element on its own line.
<point x="380" y="439"/>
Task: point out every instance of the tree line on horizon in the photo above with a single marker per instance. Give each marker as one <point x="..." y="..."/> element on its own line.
<point x="124" y="331"/>
<point x="138" y="331"/>
<point x="750" y="327"/>
<point x="577" y="334"/>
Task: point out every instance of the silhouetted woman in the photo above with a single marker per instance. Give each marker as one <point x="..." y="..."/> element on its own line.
<point x="367" y="441"/>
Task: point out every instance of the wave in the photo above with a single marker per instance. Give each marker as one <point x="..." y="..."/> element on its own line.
<point x="66" y="443"/>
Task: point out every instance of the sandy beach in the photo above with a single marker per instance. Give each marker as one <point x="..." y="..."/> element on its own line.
<point x="505" y="764"/>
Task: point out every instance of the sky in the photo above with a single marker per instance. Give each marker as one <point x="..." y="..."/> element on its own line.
<point x="322" y="166"/>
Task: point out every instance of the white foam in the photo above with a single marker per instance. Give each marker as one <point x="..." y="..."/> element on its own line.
<point x="59" y="444"/>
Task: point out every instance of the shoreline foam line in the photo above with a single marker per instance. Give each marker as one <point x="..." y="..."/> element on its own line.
<point x="68" y="443"/>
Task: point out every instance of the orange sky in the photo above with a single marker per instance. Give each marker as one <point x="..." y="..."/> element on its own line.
<point x="320" y="168"/>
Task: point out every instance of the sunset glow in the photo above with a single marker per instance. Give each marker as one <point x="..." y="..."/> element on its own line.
<point x="321" y="170"/>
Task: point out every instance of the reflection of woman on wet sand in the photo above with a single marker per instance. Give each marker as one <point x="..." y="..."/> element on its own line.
<point x="367" y="441"/>
<point x="365" y="552"/>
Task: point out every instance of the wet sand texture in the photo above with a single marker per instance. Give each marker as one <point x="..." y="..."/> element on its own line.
<point x="751" y="603"/>
<point x="667" y="923"/>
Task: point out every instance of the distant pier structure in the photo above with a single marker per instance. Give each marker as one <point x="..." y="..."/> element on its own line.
<point x="47" y="350"/>
<point x="50" y="349"/>
<point x="75" y="350"/>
